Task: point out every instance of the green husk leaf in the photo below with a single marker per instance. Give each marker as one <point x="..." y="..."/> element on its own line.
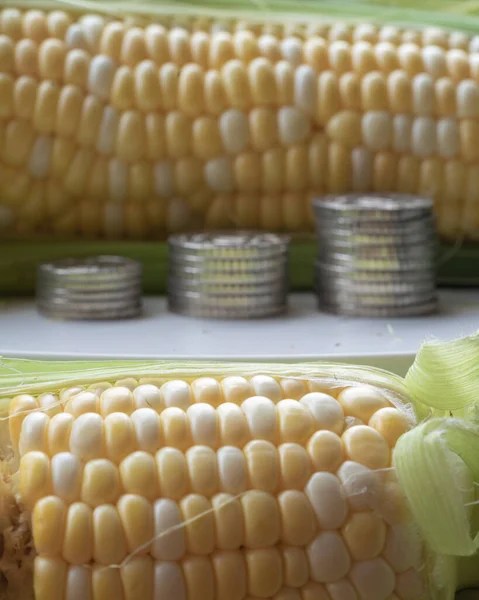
<point x="437" y="485"/>
<point x="442" y="13"/>
<point x="30" y="376"/>
<point x="437" y="462"/>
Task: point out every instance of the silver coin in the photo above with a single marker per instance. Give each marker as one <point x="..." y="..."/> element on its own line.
<point x="228" y="287"/>
<point x="225" y="308"/>
<point x="322" y="280"/>
<point x="367" y="300"/>
<point x="91" y="285"/>
<point x="417" y="272"/>
<point x="385" y="264"/>
<point x="418" y="310"/>
<point x="394" y="204"/>
<point x="337" y="230"/>
<point x="404" y="253"/>
<point x="229" y="242"/>
<point x="220" y="266"/>
<point x="94" y="298"/>
<point x="241" y="276"/>
<point x="101" y="287"/>
<point x="76" y="312"/>
<point x="235" y="274"/>
<point x="92" y="267"/>
<point x="352" y="241"/>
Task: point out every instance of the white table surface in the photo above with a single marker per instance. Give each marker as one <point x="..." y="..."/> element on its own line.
<point x="303" y="333"/>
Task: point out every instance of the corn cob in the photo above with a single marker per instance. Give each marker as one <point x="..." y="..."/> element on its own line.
<point x="133" y="128"/>
<point x="209" y="489"/>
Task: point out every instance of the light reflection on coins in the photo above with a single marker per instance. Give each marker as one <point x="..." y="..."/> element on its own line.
<point x="237" y="275"/>
<point x="377" y="255"/>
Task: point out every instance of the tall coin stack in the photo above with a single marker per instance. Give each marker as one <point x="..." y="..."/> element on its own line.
<point x="100" y="287"/>
<point x="377" y="255"/>
<point x="237" y="275"/>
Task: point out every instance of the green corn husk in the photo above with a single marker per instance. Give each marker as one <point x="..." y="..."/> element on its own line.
<point x="463" y="16"/>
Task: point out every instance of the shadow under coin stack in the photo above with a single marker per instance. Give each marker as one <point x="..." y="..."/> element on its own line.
<point x="101" y="287"/>
<point x="237" y="275"/>
<point x="377" y="255"/>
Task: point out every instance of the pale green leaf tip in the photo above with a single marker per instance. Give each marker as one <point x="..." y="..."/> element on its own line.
<point x="445" y="375"/>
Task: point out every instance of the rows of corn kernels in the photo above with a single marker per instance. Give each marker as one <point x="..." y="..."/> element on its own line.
<point x="216" y="489"/>
<point x="112" y="128"/>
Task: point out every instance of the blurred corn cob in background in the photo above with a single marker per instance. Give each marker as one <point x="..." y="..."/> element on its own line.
<point x="134" y="127"/>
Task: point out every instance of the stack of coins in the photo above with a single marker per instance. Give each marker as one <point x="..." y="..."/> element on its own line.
<point x="100" y="287"/>
<point x="237" y="275"/>
<point x="377" y="255"/>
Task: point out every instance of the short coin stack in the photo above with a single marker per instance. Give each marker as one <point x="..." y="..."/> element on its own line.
<point x="237" y="275"/>
<point x="377" y="255"/>
<point x="100" y="287"/>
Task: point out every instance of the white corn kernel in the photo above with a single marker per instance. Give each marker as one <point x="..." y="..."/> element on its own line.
<point x="373" y="578"/>
<point x="219" y="174"/>
<point x="208" y="390"/>
<point x="327" y="499"/>
<point x="163" y="178"/>
<point x="169" y="543"/>
<point x="233" y="127"/>
<point x="117" y="180"/>
<point x="86" y="438"/>
<point x="305" y="89"/>
<point x="362" y="163"/>
<point x="147" y="428"/>
<point x="467" y="99"/>
<point x="78" y="583"/>
<point x="402" y="125"/>
<point x="342" y="590"/>
<point x="75" y="37"/>
<point x="203" y="424"/>
<point x="92" y="26"/>
<point x="294" y="126"/>
<point x="292" y="50"/>
<point x="236" y="389"/>
<point x="328" y="558"/>
<point x="409" y="585"/>
<point x="233" y="425"/>
<point x="176" y="393"/>
<point x="34" y="432"/>
<point x="423" y="94"/>
<point x="403" y="548"/>
<point x="447" y="138"/>
<point x="169" y="581"/>
<point x="261" y="416"/>
<point x="41" y="157"/>
<point x="326" y="411"/>
<point x="100" y="76"/>
<point x="434" y="59"/>
<point x="377" y="130"/>
<point x="148" y="396"/>
<point x="232" y="470"/>
<point x="358" y="484"/>
<point x="108" y="131"/>
<point x="66" y="476"/>
<point x="264" y="385"/>
<point x="423" y="137"/>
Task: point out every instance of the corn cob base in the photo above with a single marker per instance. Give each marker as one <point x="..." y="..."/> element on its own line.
<point x="131" y="129"/>
<point x="209" y="489"/>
